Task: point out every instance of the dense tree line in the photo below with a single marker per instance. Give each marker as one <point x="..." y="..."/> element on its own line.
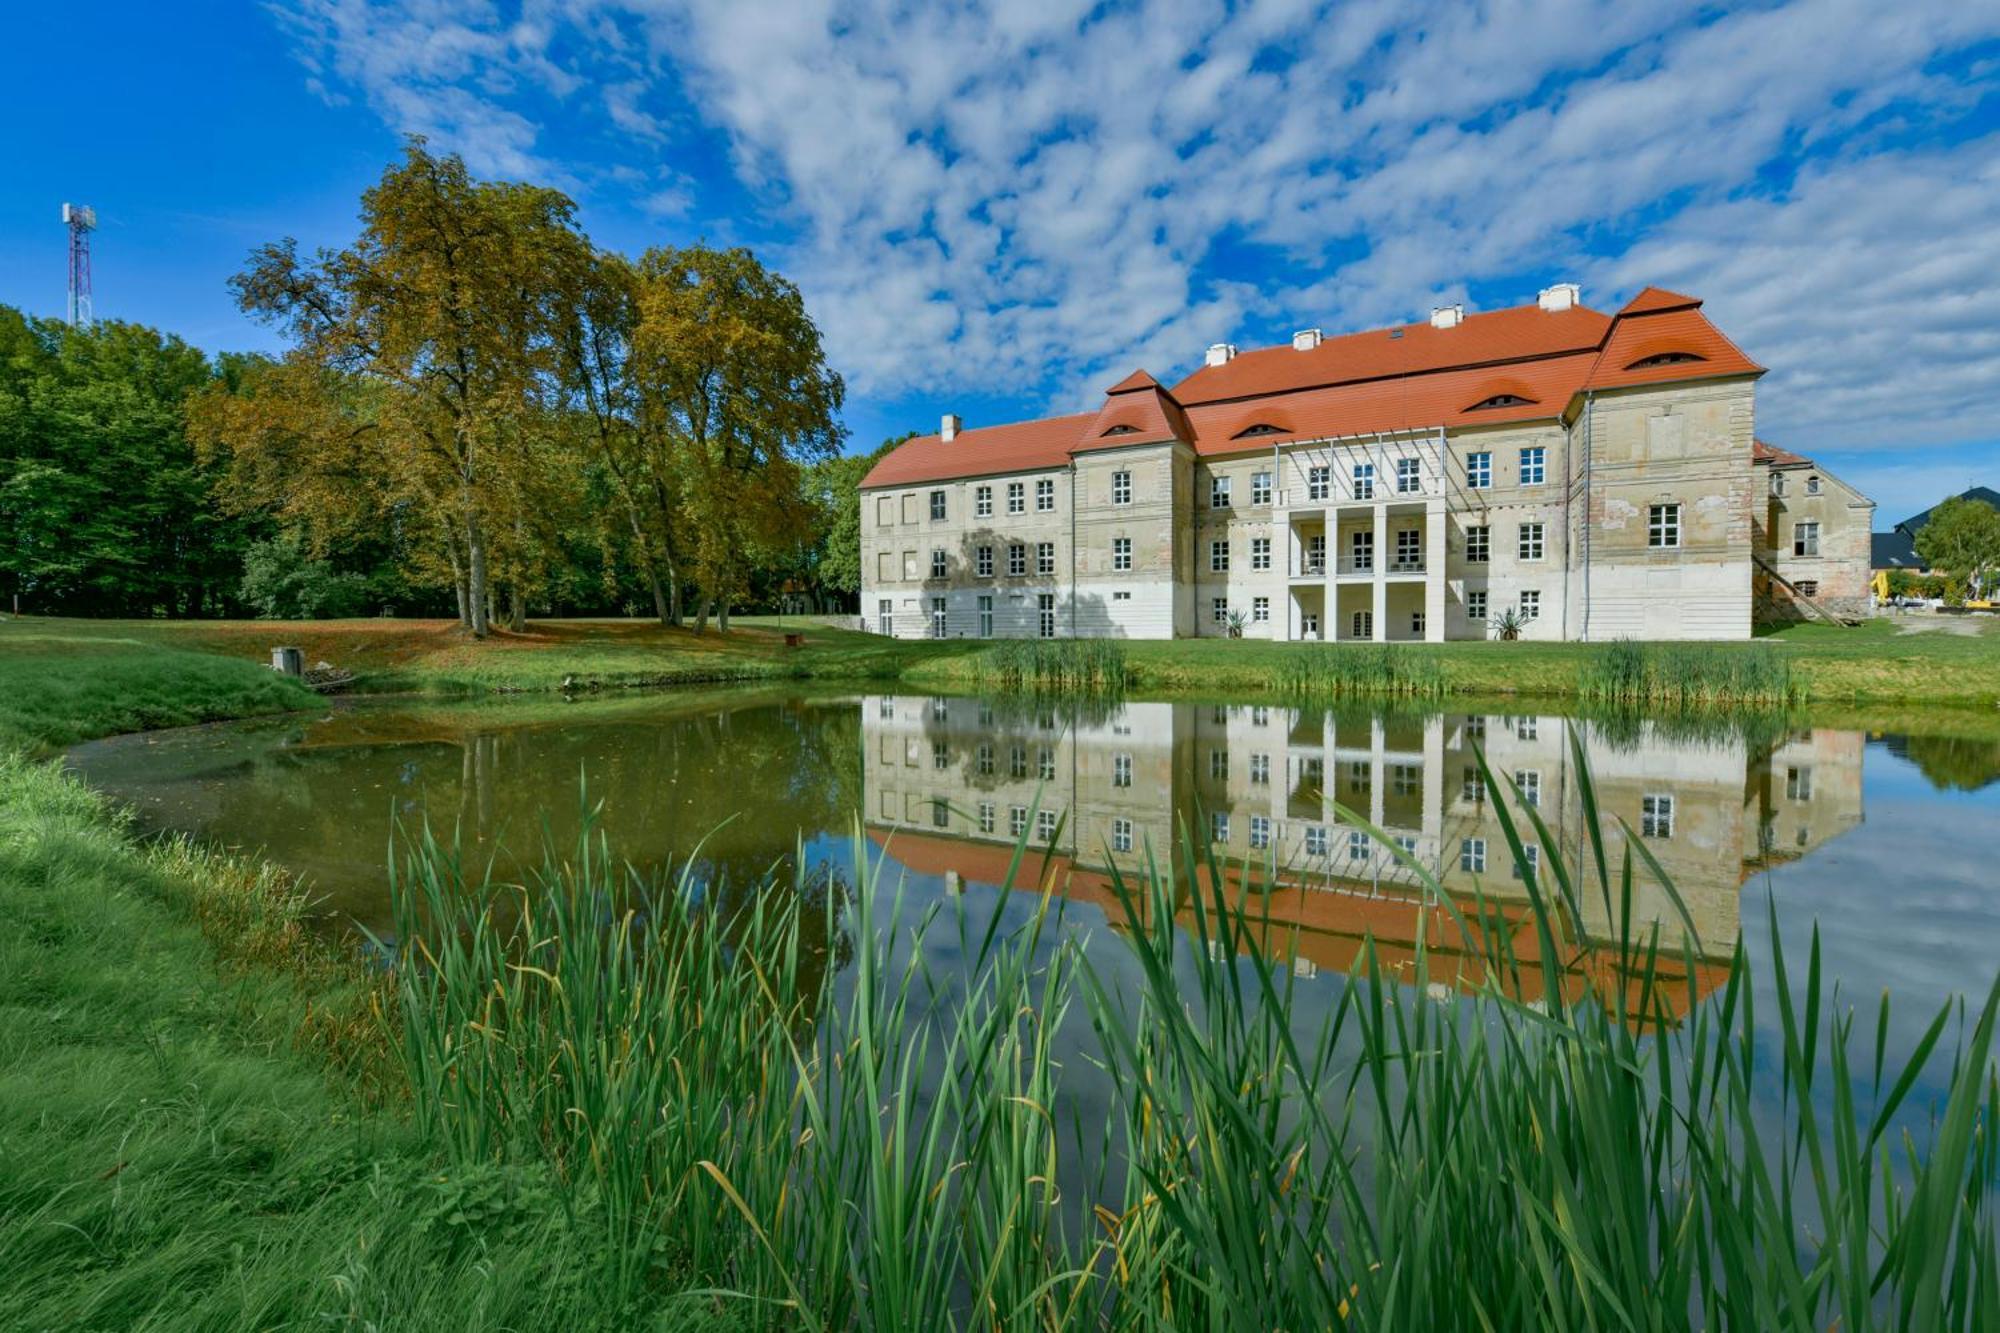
<point x="477" y="412"/>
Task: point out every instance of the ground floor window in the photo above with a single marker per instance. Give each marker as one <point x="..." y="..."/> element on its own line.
<point x="1309" y="625"/>
<point x="1472" y="855"/>
<point x="1046" y="606"/>
<point x="1475" y="605"/>
<point x="1531" y="605"/>
<point x="1218" y="827"/>
<point x="1219" y="610"/>
<point x="986" y="816"/>
<point x="1017" y="820"/>
<point x="1808" y="587"/>
<point x="1045" y="825"/>
<point x="1121" y="835"/>
<point x="1260" y="609"/>
<point x="940" y="813"/>
<point x="885" y="616"/>
<point x="986" y="617"/>
<point x="937" y="617"/>
<point x="1656" y="816"/>
<point x="1260" y="831"/>
<point x="1417" y="623"/>
<point x="1364" y="625"/>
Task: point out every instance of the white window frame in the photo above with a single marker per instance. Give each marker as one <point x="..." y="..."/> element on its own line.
<point x="1121" y="488"/>
<point x="1218" y="556"/>
<point x="1219" y="610"/>
<point x="1017" y="497"/>
<point x="1663" y="526"/>
<point x="1121" y="553"/>
<point x="1531" y="543"/>
<point x="1805" y="538"/>
<point x="1045" y="558"/>
<point x="1364" y="481"/>
<point x="1479" y="470"/>
<point x="1531" y="604"/>
<point x="1475" y="605"/>
<point x="1260" y="488"/>
<point x="1534" y="465"/>
<point x="1121" y="835"/>
<point x="1472" y="855"/>
<point x="1121" y="770"/>
<point x="1260" y="610"/>
<point x="1260" y="553"/>
<point x="1656" y="815"/>
<point x="939" y="508"/>
<point x="1218" y="492"/>
<point x="1045" y="495"/>
<point x="982" y="502"/>
<point x="940" y="563"/>
<point x="1409" y="476"/>
<point x="1017" y="560"/>
<point x="982" y="562"/>
<point x="986" y="615"/>
<point x="1319" y="481"/>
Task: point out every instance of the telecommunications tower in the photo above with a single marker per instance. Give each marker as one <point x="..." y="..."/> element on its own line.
<point x="81" y="220"/>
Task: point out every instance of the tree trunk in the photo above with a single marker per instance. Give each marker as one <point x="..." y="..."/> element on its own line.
<point x="722" y="616"/>
<point x="659" y="597"/>
<point x="517" y="608"/>
<point x="701" y="614"/>
<point x="477" y="591"/>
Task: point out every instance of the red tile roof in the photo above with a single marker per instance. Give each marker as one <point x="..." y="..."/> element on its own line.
<point x="1415" y="377"/>
<point x="1772" y="456"/>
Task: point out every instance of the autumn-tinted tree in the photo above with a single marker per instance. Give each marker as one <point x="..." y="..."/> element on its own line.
<point x="442" y="308"/>
<point x="730" y="377"/>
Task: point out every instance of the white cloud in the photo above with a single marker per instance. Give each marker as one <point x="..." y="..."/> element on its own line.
<point x="1026" y="198"/>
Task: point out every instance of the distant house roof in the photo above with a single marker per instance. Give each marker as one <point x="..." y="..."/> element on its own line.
<point x="1772" y="456"/>
<point x="1526" y="363"/>
<point x="1893" y="550"/>
<point x="1914" y="524"/>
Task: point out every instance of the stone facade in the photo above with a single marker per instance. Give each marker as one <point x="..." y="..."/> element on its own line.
<point x="1813" y="533"/>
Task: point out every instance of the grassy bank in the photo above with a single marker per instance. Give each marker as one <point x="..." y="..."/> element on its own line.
<point x="186" y="1139"/>
<point x="1874" y="665"/>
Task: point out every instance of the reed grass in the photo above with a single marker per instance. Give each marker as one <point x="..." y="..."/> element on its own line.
<point x="1688" y="676"/>
<point x="1382" y="670"/>
<point x="1052" y="666"/>
<point x="895" y="1146"/>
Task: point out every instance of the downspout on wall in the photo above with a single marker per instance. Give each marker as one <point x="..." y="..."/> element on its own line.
<point x="1589" y="400"/>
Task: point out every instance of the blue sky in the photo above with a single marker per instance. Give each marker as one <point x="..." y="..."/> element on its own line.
<point x="999" y="209"/>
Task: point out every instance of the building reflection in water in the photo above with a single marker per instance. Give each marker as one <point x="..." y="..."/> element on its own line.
<point x="951" y="783"/>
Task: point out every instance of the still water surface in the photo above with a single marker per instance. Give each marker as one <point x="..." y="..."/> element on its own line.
<point x="1885" y="845"/>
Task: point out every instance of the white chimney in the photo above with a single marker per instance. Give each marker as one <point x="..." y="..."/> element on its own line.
<point x="1560" y="297"/>
<point x="1447" y="316"/>
<point x="950" y="428"/>
<point x="1305" y="340"/>
<point x="1220" y="354"/>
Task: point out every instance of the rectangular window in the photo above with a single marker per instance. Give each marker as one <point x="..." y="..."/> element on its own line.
<point x="1045" y="495"/>
<point x="910" y="508"/>
<point x="1529" y="864"/>
<point x="1812" y="485"/>
<point x="1121" y="488"/>
<point x="1218" y="827"/>
<point x="1260" y="715"/>
<point x="1260" y="831"/>
<point x="1471" y="786"/>
<point x="885" y="616"/>
<point x="910" y="566"/>
<point x="1663" y="525"/>
<point x="1807" y="587"/>
<point x="937" y="506"/>
<point x="1218" y="765"/>
<point x="885" y="567"/>
<point x="1316" y="554"/>
<point x="1045" y="764"/>
<point x="1656" y="816"/>
<point x="986" y="816"/>
<point x="982" y="502"/>
<point x="1121" y="553"/>
<point x="982" y="562"/>
<point x="1315" y="840"/>
<point x="1218" y="492"/>
<point x="1479" y="470"/>
<point x="1121" y="835"/>
<point x="939" y="563"/>
<point x="1121" y="770"/>
<point x="1260" y="769"/>
<point x="1527" y="728"/>
<point x="1260" y="488"/>
<point x="1472" y="855"/>
<point x="1364" y="481"/>
<point x="1017" y="560"/>
<point x="1409" y="476"/>
<point x="986" y="615"/>
<point x="1219" y="610"/>
<point x="1357" y="846"/>
<point x="1017" y="497"/>
<point x="1017" y="762"/>
<point x="1478" y="545"/>
<point x="1798" y="784"/>
<point x="1260" y="553"/>
<point x="983" y="759"/>
<point x="1534" y="466"/>
<point x="1531" y="605"/>
<point x="940" y="813"/>
<point x="1319" y="482"/>
<point x="1260" y="610"/>
<point x="940" y="755"/>
<point x="1409" y="549"/>
<point x="1218" y="557"/>
<point x="1406" y="779"/>
<point x="1475" y="604"/>
<point x="1778" y="484"/>
<point x="937" y="617"/>
<point x="1364" y="625"/>
<point x="1417" y="623"/>
<point x="885" y="511"/>
<point x="1017" y="820"/>
<point x="1529" y="780"/>
<point x="1805" y="539"/>
<point x="1362" y="546"/>
<point x="1045" y="557"/>
<point x="1530" y="545"/>
<point x="1045" y="608"/>
<point x="1360" y="777"/>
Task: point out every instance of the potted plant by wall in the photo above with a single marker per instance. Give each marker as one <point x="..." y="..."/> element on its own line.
<point x="1237" y="620"/>
<point x="1508" y="625"/>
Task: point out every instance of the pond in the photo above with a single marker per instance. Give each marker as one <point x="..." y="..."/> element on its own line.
<point x="1882" y="844"/>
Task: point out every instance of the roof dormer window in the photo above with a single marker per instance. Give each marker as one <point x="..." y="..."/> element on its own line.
<point x="1665" y="359"/>
<point x="1500" y="400"/>
<point x="1261" y="428"/>
<point x="1122" y="430"/>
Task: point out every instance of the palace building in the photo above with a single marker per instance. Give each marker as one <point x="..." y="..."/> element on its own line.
<point x="1547" y="469"/>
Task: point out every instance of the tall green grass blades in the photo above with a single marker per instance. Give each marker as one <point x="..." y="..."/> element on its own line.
<point x="1378" y="670"/>
<point x="1688" y="676"/>
<point x="1086" y="667"/>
